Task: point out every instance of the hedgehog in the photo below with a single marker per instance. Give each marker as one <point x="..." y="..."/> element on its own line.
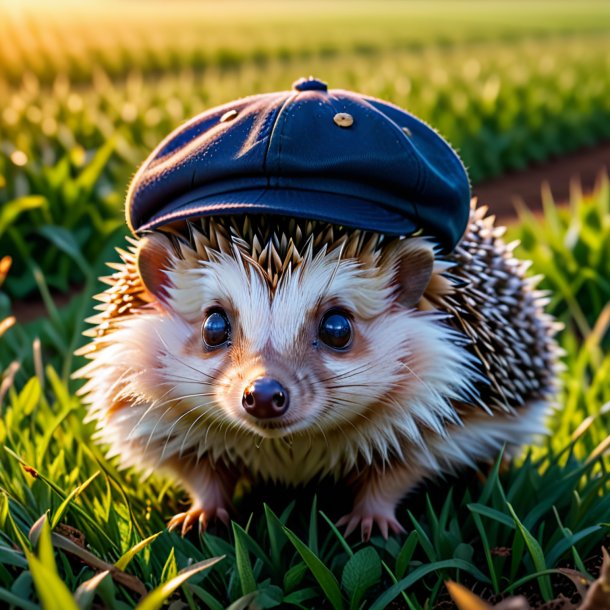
<point x="309" y="293"/>
<point x="320" y="351"/>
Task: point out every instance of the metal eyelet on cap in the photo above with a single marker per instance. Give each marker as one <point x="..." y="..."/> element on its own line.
<point x="407" y="131"/>
<point x="343" y="119"/>
<point x="228" y="116"/>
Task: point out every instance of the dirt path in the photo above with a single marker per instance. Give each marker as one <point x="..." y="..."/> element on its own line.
<point x="501" y="192"/>
<point x="498" y="193"/>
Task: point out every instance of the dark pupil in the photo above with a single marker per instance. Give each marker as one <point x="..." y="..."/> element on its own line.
<point x="215" y="329"/>
<point x="335" y="330"/>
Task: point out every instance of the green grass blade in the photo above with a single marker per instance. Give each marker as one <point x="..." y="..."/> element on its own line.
<point x="206" y="597"/>
<point x="406" y="552"/>
<point x="245" y="602"/>
<point x="492" y="513"/>
<point x="11" y="210"/>
<point x="342" y="541"/>
<point x="529" y="577"/>
<point x="242" y="561"/>
<point x="294" y="576"/>
<point x="535" y="550"/>
<point x="52" y="591"/>
<point x="395" y="580"/>
<point x="85" y="593"/>
<point x="423" y="538"/>
<point x="564" y="545"/>
<point x="486" y="549"/>
<point x="157" y="597"/>
<point x="458" y="564"/>
<point x="313" y="527"/>
<point x="299" y="597"/>
<point x="277" y="539"/>
<point x="59" y="513"/>
<point x="14" y="600"/>
<point x="64" y="240"/>
<point x="124" y="560"/>
<point x="321" y="573"/>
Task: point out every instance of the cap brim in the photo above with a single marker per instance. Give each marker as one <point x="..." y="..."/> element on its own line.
<point x="330" y="207"/>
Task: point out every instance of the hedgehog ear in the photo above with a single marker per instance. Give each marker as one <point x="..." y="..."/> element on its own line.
<point x="413" y="272"/>
<point x="153" y="260"/>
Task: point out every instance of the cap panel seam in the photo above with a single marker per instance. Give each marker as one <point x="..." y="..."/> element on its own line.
<point x="278" y="117"/>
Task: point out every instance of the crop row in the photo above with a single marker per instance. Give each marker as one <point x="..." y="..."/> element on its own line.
<point x="77" y="40"/>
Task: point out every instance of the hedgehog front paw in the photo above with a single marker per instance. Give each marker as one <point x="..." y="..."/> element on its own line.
<point x="366" y="519"/>
<point x="197" y="514"/>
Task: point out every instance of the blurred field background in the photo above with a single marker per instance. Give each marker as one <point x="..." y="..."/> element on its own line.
<point x="88" y="89"/>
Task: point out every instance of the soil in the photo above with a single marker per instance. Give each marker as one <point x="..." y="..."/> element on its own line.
<point x="500" y="194"/>
<point x="582" y="166"/>
<point x="29" y="309"/>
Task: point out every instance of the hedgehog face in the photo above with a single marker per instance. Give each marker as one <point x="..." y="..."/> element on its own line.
<point x="317" y="349"/>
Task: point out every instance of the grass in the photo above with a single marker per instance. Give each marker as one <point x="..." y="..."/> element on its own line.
<point x="569" y="246"/>
<point x="74" y="528"/>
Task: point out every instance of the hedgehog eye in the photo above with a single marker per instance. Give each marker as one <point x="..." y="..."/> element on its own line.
<point x="335" y="329"/>
<point x="216" y="329"/>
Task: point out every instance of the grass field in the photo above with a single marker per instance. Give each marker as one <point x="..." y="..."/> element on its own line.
<point x="87" y="93"/>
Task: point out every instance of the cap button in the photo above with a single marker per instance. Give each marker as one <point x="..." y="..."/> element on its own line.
<point x="309" y="84"/>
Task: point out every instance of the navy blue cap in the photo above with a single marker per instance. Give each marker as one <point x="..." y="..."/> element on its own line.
<point x="335" y="156"/>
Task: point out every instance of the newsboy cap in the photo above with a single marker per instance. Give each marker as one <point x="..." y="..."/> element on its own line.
<point x="335" y="156"/>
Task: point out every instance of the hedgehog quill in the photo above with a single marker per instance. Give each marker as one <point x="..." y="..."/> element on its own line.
<point x="293" y="307"/>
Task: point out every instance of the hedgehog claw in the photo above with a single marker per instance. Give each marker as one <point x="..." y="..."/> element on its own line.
<point x="350" y="521"/>
<point x="385" y="524"/>
<point x="185" y="521"/>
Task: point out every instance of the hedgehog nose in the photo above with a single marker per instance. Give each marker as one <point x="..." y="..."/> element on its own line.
<point x="265" y="398"/>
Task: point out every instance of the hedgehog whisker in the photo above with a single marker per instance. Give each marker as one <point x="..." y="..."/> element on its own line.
<point x="357" y="370"/>
<point x="188" y="432"/>
<point x="183" y="397"/>
<point x="205" y="440"/>
<point x="169" y="352"/>
<point x="173" y="426"/>
<point x="346" y="419"/>
<point x="152" y="432"/>
<point x="241" y="428"/>
<point x="424" y="383"/>
<point x="232" y="425"/>
<point x="319" y="427"/>
<point x="345" y="386"/>
<point x="335" y="400"/>
<point x="153" y="405"/>
<point x="186" y="380"/>
<point x="338" y="403"/>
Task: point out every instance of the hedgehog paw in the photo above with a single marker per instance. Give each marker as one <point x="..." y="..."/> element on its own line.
<point x="366" y="521"/>
<point x="197" y="514"/>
